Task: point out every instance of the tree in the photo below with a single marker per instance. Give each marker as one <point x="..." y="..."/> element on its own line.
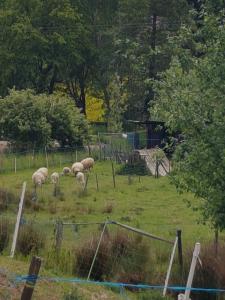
<point x="117" y="105"/>
<point x="142" y="47"/>
<point x="35" y="120"/>
<point x="39" y="41"/>
<point x="191" y="101"/>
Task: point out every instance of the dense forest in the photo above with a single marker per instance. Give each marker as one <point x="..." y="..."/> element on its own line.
<point x="114" y="50"/>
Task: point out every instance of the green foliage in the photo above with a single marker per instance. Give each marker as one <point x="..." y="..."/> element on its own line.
<point x="153" y="296"/>
<point x="34" y="120"/>
<point x="191" y="101"/>
<point x="134" y="168"/>
<point x="117" y="105"/>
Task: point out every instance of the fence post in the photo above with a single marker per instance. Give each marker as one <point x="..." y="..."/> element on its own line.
<point x="58" y="235"/>
<point x="96" y="178"/>
<point x="86" y="183"/>
<point x="113" y="174"/>
<point x="30" y="282"/>
<point x="100" y="147"/>
<point x="170" y="267"/>
<point x="186" y="295"/>
<point x="96" y="252"/>
<point x="76" y="155"/>
<point x="46" y="156"/>
<point x="16" y="231"/>
<point x="15" y="167"/>
<point x="180" y="252"/>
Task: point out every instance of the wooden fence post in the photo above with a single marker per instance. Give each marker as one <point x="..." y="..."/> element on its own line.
<point x="19" y="215"/>
<point x="15" y="166"/>
<point x="186" y="295"/>
<point x="113" y="174"/>
<point x="30" y="282"/>
<point x="58" y="235"/>
<point x="180" y="251"/>
<point x="96" y="178"/>
<point x="46" y="156"/>
<point x="86" y="183"/>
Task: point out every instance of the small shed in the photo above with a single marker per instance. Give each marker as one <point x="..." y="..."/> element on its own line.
<point x="156" y="134"/>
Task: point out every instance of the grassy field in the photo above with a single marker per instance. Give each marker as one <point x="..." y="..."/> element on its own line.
<point x="150" y="204"/>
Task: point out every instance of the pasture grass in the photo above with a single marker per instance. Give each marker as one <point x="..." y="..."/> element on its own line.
<point x="150" y="204"/>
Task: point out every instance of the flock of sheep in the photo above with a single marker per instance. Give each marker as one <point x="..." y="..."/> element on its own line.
<point x="40" y="176"/>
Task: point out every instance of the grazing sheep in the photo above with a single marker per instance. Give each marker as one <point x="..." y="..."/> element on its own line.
<point x="80" y="178"/>
<point x="55" y="178"/>
<point x="44" y="171"/>
<point x="77" y="167"/>
<point x="66" y="171"/>
<point x="38" y="179"/>
<point x="88" y="163"/>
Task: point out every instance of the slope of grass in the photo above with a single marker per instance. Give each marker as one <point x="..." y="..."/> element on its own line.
<point x="150" y="204"/>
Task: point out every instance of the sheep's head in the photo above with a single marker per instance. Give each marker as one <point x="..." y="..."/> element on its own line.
<point x="39" y="182"/>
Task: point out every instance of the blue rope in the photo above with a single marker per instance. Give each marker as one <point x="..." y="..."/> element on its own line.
<point x="119" y="285"/>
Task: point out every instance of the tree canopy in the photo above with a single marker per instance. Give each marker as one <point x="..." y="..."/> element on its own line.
<point x="190" y="98"/>
<point x="35" y="120"/>
<point x="83" y="46"/>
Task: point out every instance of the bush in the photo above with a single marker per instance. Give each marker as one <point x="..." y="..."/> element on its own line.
<point x="84" y="256"/>
<point x="120" y="257"/>
<point x="30" y="239"/>
<point x="6" y="199"/>
<point x="134" y="166"/>
<point x="4" y="234"/>
<point x="30" y="119"/>
<point x="108" y="208"/>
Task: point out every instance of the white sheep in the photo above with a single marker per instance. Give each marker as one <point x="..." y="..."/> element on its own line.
<point x="55" y="178"/>
<point x="44" y="171"/>
<point x="38" y="178"/>
<point x="66" y="171"/>
<point x="80" y="178"/>
<point x="77" y="167"/>
<point x="88" y="163"/>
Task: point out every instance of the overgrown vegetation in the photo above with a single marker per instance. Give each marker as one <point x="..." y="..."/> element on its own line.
<point x="7" y="198"/>
<point x="33" y="120"/>
<point x="134" y="167"/>
<point x="209" y="274"/>
<point x="4" y="233"/>
<point x="130" y="266"/>
<point x="30" y="240"/>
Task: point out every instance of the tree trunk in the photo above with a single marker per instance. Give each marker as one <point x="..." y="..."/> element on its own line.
<point x="82" y="104"/>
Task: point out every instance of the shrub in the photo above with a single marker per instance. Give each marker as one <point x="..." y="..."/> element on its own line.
<point x="85" y="254"/>
<point x="4" y="234"/>
<point x="30" y="239"/>
<point x="134" y="167"/>
<point x="120" y="257"/>
<point x="108" y="208"/>
<point x="28" y="119"/>
<point x="6" y="199"/>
